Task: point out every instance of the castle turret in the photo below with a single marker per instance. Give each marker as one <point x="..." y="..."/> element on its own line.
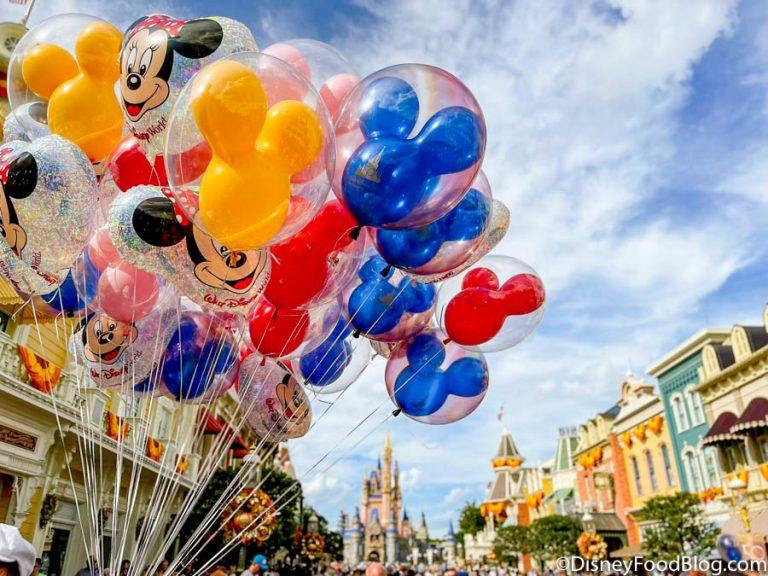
<point x="391" y="536"/>
<point x="422" y="534"/>
<point x="449" y="545"/>
<point x="353" y="539"/>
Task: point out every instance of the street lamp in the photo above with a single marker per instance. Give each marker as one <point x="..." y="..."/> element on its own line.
<point x="739" y="488"/>
<point x="588" y="521"/>
<point x="313" y="523"/>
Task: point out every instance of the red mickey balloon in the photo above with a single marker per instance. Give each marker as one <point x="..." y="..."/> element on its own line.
<point x="300" y="266"/>
<point x="130" y="166"/>
<point x="277" y="333"/>
<point x="476" y="311"/>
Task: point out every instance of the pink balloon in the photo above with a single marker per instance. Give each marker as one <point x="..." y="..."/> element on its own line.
<point x="277" y="88"/>
<point x="292" y="56"/>
<point x="127" y="293"/>
<point x="101" y="251"/>
<point x="335" y="90"/>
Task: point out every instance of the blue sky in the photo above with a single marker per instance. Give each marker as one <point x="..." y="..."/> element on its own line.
<point x="629" y="140"/>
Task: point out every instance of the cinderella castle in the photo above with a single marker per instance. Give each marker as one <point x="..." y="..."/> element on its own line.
<point x="380" y="529"/>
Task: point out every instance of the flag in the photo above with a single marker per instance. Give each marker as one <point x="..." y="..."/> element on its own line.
<point x="19" y="2"/>
<point x="500" y="415"/>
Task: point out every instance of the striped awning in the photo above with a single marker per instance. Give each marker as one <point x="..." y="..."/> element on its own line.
<point x="754" y="416"/>
<point x="720" y="431"/>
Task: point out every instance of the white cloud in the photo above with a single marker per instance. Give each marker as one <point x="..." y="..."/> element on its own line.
<point x="410" y="477"/>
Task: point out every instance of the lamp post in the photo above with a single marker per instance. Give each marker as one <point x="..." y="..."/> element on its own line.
<point x="739" y="489"/>
<point x="588" y="522"/>
<point x="313" y="523"/>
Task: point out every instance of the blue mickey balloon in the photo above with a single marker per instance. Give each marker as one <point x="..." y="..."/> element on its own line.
<point x="65" y="299"/>
<point x="389" y="177"/>
<point x="413" y="248"/>
<point x="326" y="363"/>
<point x="728" y="548"/>
<point x="378" y="305"/>
<point x="421" y="387"/>
<point x="197" y="355"/>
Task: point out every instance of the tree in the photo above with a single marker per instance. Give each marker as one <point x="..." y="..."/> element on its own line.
<point x="470" y="519"/>
<point x="678" y="527"/>
<point x="554" y="537"/>
<point x="286" y="495"/>
<point x="511" y="541"/>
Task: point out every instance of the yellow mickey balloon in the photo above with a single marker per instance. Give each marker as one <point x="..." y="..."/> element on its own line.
<point x="246" y="188"/>
<point x="82" y="105"/>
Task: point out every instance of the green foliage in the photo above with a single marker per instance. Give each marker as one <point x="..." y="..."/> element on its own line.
<point x="678" y="527"/>
<point x="554" y="536"/>
<point x="286" y="495"/>
<point x="470" y="519"/>
<point x="510" y="541"/>
<point x="334" y="546"/>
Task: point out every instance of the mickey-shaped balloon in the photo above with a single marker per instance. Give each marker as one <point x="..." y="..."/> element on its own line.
<point x="82" y="106"/>
<point x="202" y="359"/>
<point x="47" y="188"/>
<point x="393" y="181"/>
<point x="442" y="245"/>
<point x="274" y="403"/>
<point x="435" y="382"/>
<point x="475" y="309"/>
<point x="246" y="190"/>
<point x="337" y="362"/>
<point x="729" y="548"/>
<point x="159" y="56"/>
<point x="150" y="233"/>
<point x="385" y="305"/>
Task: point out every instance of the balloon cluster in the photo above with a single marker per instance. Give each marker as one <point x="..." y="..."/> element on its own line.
<point x="182" y="192"/>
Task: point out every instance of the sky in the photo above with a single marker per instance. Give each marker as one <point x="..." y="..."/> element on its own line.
<point x="628" y="138"/>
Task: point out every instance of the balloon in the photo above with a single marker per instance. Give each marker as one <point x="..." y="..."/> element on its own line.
<point x="337" y="362"/>
<point x="375" y="569"/>
<point x="48" y="187"/>
<point x="444" y="244"/>
<point x="28" y="122"/>
<point x="394" y="179"/>
<point x="159" y="56"/>
<point x="150" y="233"/>
<point x="435" y="381"/>
<point x="127" y="293"/>
<point x="296" y="59"/>
<point x="202" y="360"/>
<point x="476" y="310"/>
<point x="251" y="144"/>
<point x="272" y="161"/>
<point x="102" y="253"/>
<point x="288" y="333"/>
<point x="82" y="106"/>
<point x="313" y="265"/>
<point x="129" y="166"/>
<point x="274" y="403"/>
<point x="385" y="305"/>
<point x="64" y="300"/>
<point x="728" y="548"/>
<point x="335" y="90"/>
<point x="120" y="354"/>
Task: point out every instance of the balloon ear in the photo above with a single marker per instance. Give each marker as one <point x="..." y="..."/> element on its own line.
<point x="154" y="221"/>
<point x="452" y="140"/>
<point x="198" y="38"/>
<point x="22" y="176"/>
<point x="131" y="27"/>
<point x="392" y="108"/>
<point x="293" y="133"/>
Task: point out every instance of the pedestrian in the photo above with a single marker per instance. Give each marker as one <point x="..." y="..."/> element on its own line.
<point x="258" y="566"/>
<point x="125" y="567"/>
<point x="92" y="569"/>
<point x="17" y="556"/>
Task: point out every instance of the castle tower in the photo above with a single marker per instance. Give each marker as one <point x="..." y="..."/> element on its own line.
<point x="387" y="504"/>
<point x="391" y="535"/>
<point x="422" y="534"/>
<point x="449" y="545"/>
<point x="353" y="539"/>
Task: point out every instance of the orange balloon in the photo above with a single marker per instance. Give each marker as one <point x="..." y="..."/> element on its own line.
<point x="245" y="191"/>
<point x="82" y="107"/>
<point x="375" y="569"/>
<point x="46" y="67"/>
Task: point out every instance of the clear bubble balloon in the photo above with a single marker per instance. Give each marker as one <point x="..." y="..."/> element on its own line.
<point x="435" y="381"/>
<point x="492" y="306"/>
<point x="27" y="123"/>
<point x="272" y="157"/>
<point x="728" y="548"/>
<point x="337" y="362"/>
<point x="275" y="405"/>
<point x="411" y="140"/>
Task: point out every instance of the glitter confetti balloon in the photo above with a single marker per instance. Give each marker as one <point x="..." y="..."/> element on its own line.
<point x="160" y="54"/>
<point x="48" y="189"/>
<point x="28" y="122"/>
<point x="150" y="234"/>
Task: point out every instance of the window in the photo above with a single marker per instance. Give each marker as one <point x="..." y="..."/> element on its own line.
<point x="651" y="471"/>
<point x="636" y="471"/>
<point x="163" y="422"/>
<point x="668" y="473"/>
<point x="678" y="410"/>
<point x="692" y="471"/>
<point x="695" y="407"/>
<point x="734" y="456"/>
<point x="710" y="465"/>
<point x="762" y="445"/>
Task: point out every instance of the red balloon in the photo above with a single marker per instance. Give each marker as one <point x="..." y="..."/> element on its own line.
<point x="477" y="313"/>
<point x="300" y="264"/>
<point x="130" y="166"/>
<point x="275" y="332"/>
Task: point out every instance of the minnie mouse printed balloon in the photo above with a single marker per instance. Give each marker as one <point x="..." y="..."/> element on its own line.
<point x="150" y="233"/>
<point x="47" y="188"/>
<point x="435" y="381"/>
<point x="159" y="56"/>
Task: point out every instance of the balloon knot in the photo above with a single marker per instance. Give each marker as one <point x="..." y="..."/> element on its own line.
<point x="274" y="314"/>
<point x="356" y="334"/>
<point x="396" y="412"/>
<point x="355" y="232"/>
<point x="385" y="273"/>
<point x="263" y="361"/>
<point x="447" y="341"/>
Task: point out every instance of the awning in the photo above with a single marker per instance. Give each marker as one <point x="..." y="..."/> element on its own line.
<point x="758" y="523"/>
<point x="239" y="444"/>
<point x="721" y="430"/>
<point x="209" y="422"/>
<point x="754" y="416"/>
<point x="607" y="522"/>
<point x="557" y="495"/>
<point x="628" y="551"/>
<point x="240" y="453"/>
